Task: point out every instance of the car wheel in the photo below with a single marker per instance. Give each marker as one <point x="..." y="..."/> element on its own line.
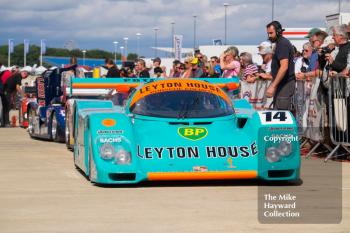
<point x="20" y="116"/>
<point x="90" y="165"/>
<point x="67" y="133"/>
<point x="31" y="119"/>
<point x="54" y="128"/>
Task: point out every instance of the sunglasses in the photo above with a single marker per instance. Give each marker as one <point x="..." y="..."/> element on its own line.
<point x="181" y="68"/>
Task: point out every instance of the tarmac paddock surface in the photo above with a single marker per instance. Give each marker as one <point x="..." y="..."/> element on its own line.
<point x="42" y="191"/>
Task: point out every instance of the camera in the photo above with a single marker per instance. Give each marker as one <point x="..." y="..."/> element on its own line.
<point x="261" y="70"/>
<point x="326" y="50"/>
<point x="303" y="69"/>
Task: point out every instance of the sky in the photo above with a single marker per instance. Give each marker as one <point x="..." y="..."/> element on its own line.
<point x="94" y="24"/>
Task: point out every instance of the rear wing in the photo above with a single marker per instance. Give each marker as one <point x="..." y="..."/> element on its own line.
<point x="125" y="84"/>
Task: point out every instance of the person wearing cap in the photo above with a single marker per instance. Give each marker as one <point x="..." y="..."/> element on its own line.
<point x="316" y="38"/>
<point x="265" y="51"/>
<point x="312" y="32"/>
<point x="11" y="87"/>
<point x="197" y="72"/>
<point x="282" y="86"/>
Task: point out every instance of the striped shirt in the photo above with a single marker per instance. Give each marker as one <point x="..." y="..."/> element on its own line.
<point x="251" y="69"/>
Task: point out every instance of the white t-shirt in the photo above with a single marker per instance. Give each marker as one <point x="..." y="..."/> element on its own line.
<point x="299" y="63"/>
<point x="268" y="67"/>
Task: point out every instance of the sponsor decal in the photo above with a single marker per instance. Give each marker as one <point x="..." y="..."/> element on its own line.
<point x="110" y="140"/>
<point x="108" y="122"/>
<point x="230" y="163"/>
<point x="192" y="152"/>
<point x="110" y="131"/>
<point x="193" y="133"/>
<point x="41" y="88"/>
<point x="275" y="118"/>
<point x="176" y="85"/>
<point x="281" y="129"/>
<point x="200" y="169"/>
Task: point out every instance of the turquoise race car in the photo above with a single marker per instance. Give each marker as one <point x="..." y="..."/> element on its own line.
<point x="181" y="129"/>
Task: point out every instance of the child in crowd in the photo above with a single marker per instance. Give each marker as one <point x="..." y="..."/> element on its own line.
<point x="249" y="68"/>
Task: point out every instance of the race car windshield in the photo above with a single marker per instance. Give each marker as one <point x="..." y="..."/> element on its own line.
<point x="182" y="104"/>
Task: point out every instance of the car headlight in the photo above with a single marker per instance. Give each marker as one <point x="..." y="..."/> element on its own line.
<point x="122" y="157"/>
<point x="273" y="154"/>
<point x="107" y="151"/>
<point x="285" y="148"/>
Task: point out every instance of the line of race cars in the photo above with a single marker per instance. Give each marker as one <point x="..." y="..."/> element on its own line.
<point x="131" y="130"/>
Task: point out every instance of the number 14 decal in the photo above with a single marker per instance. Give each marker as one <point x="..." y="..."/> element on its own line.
<point x="281" y="116"/>
<point x="275" y="117"/>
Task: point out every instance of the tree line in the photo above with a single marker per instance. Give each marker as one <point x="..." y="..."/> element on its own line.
<point x="33" y="55"/>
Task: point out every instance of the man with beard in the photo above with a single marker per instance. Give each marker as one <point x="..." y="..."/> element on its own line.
<point x="282" y="86"/>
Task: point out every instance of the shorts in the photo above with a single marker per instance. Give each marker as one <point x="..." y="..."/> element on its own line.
<point x="282" y="99"/>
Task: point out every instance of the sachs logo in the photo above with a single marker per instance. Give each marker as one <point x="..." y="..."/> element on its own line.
<point x="193" y="133"/>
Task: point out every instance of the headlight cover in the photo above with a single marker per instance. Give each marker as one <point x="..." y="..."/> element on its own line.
<point x="107" y="151"/>
<point x="285" y="148"/>
<point x="122" y="157"/>
<point x="274" y="153"/>
<point x="114" y="149"/>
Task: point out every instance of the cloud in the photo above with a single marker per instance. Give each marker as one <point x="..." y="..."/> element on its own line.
<point x="96" y="23"/>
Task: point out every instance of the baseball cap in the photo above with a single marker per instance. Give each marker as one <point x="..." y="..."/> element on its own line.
<point x="327" y="41"/>
<point x="2" y="68"/>
<point x="265" y="47"/>
<point x="194" y="61"/>
<point x="312" y="32"/>
<point x="26" y="69"/>
<point x="157" y="59"/>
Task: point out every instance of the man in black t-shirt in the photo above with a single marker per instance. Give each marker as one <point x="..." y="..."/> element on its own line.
<point x="141" y="66"/>
<point x="113" y="71"/>
<point x="282" y="86"/>
<point x="11" y="87"/>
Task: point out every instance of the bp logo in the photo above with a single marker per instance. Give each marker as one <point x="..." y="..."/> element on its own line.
<point x="193" y="133"/>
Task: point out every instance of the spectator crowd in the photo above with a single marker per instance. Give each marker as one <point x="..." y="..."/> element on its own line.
<point x="271" y="84"/>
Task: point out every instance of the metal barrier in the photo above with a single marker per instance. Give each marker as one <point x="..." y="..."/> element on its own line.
<point x="299" y="100"/>
<point x="255" y="93"/>
<point x="339" y="114"/>
<point x="311" y="114"/>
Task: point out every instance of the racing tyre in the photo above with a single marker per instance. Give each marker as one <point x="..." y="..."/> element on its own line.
<point x="20" y="117"/>
<point x="90" y="165"/>
<point x="54" y="128"/>
<point x="31" y="119"/>
<point x="67" y="133"/>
